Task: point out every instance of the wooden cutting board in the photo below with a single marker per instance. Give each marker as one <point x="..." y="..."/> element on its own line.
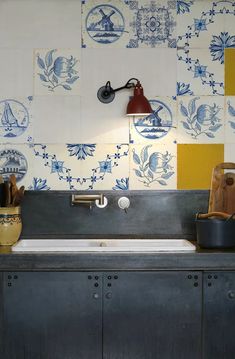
<point x="222" y="192"/>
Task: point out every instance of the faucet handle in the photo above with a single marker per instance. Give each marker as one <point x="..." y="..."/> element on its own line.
<point x="124" y="203"/>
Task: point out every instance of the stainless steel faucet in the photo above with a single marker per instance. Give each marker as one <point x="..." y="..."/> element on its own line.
<point x="87" y="199"/>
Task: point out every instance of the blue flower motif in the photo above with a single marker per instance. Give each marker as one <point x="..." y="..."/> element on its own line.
<point x="105" y="166"/>
<point x="81" y="150"/>
<point x="57" y="73"/>
<point x="64" y="67"/>
<point x="200" y="71"/>
<point x="219" y="43"/>
<point x="122" y="184"/>
<point x="57" y="166"/>
<point x="200" y="24"/>
<point x="183" y="6"/>
<point x="39" y="184"/>
<point x="183" y="89"/>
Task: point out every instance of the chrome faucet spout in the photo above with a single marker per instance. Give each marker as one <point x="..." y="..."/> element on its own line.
<point x="87" y="198"/>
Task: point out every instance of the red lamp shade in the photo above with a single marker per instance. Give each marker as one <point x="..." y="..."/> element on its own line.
<point x="138" y="105"/>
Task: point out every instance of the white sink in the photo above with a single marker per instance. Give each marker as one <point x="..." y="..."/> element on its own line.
<point x="103" y="245"/>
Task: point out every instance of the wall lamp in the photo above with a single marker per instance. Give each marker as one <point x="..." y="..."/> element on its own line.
<point x="138" y="104"/>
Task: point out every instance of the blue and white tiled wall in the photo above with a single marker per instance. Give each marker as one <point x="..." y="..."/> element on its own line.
<point x="56" y="54"/>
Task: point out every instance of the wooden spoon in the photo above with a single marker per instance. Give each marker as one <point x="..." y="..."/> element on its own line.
<point x="13" y="186"/>
<point x="18" y="196"/>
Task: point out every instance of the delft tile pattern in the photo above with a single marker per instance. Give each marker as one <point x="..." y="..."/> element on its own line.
<point x="80" y="166"/>
<point x="130" y="24"/>
<point x="15" y="119"/>
<point x="200" y="30"/>
<point x="17" y="159"/>
<point x="159" y="127"/>
<point x="57" y="71"/>
<point x="153" y="166"/>
<point x="201" y="119"/>
<point x="230" y="119"/>
<point x="205" y="27"/>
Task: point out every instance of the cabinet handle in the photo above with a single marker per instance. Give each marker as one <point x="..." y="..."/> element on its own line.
<point x="108" y="295"/>
<point x="96" y="296"/>
<point x="231" y="294"/>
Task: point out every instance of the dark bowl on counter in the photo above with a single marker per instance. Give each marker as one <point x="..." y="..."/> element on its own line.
<point x="215" y="232"/>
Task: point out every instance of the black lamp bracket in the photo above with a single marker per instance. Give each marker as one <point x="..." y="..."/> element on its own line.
<point x="106" y="93"/>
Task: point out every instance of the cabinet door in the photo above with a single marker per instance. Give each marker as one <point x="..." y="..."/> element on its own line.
<point x="52" y="315"/>
<point x="152" y="315"/>
<point x="219" y="315"/>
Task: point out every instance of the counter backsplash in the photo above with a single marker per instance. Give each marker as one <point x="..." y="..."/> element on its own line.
<point x="156" y="214"/>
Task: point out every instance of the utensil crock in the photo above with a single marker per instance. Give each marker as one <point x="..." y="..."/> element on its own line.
<point x="10" y="225"/>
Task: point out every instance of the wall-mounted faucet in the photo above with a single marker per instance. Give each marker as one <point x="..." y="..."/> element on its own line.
<point x="89" y="199"/>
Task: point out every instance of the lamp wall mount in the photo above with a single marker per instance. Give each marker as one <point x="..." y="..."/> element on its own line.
<point x="106" y="93"/>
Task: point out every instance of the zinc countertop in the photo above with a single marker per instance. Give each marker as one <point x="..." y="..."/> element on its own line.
<point x="200" y="259"/>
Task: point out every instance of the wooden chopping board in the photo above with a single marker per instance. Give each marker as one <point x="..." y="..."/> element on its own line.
<point x="222" y="192"/>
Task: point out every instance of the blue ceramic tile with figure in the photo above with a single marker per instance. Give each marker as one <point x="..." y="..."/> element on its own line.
<point x="14" y="118"/>
<point x="13" y="162"/>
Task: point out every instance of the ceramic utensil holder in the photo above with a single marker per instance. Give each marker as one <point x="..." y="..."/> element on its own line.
<point x="10" y="225"/>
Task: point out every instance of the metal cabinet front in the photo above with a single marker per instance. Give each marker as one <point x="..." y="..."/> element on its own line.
<point x="52" y="315"/>
<point x="219" y="315"/>
<point x="152" y="315"/>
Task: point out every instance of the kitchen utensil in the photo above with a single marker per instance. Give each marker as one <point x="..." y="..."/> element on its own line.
<point x="13" y="186"/>
<point x="222" y="193"/>
<point x="6" y="194"/>
<point x="18" y="196"/>
<point x="215" y="230"/>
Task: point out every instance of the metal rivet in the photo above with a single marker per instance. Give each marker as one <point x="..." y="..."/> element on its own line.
<point x="196" y="284"/>
<point x="215" y="276"/>
<point x="196" y="277"/>
<point x="109" y="277"/>
<point x="189" y="276"/>
<point x="209" y="276"/>
<point x="115" y="277"/>
<point x="9" y="277"/>
<point x="9" y="284"/>
<point x="96" y="284"/>
<point x="96" y="277"/>
<point x="109" y="284"/>
<point x="15" y="276"/>
<point x="209" y="284"/>
<point x="89" y="277"/>
<point x="95" y="295"/>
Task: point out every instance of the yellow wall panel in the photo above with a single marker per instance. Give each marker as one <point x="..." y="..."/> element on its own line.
<point x="229" y="72"/>
<point x="195" y="164"/>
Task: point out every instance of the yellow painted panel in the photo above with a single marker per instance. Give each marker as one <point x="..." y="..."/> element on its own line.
<point x="195" y="164"/>
<point x="229" y="72"/>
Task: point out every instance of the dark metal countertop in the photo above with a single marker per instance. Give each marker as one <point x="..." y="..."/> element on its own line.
<point x="70" y="261"/>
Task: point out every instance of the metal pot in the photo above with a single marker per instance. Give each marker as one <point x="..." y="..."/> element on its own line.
<point x="215" y="230"/>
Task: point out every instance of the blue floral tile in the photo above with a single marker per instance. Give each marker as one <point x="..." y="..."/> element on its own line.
<point x="201" y="119"/>
<point x="17" y="159"/>
<point x="230" y="119"/>
<point x="105" y="23"/>
<point x="199" y="73"/>
<point x="159" y="127"/>
<point x="57" y="72"/>
<point x="76" y="166"/>
<point x="152" y="24"/>
<point x="201" y="21"/>
<point x="55" y="168"/>
<point x="153" y="167"/>
<point x="15" y="119"/>
<point x="107" y="168"/>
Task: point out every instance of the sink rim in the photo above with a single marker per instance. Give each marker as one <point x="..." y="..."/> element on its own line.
<point x="103" y="245"/>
